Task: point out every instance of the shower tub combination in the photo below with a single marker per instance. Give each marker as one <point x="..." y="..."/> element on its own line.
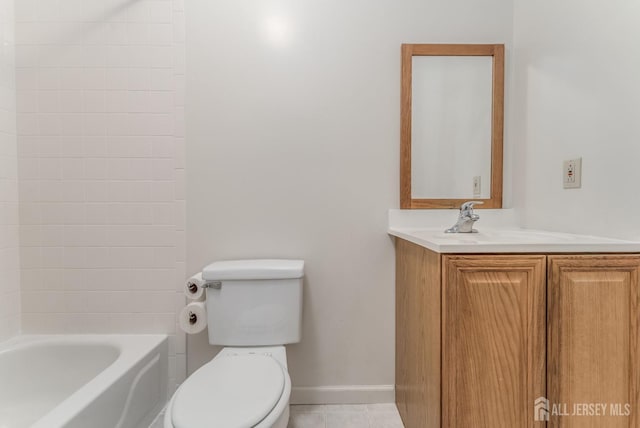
<point x="80" y="381"/>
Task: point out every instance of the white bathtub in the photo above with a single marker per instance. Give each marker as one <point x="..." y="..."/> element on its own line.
<point x="82" y="381"/>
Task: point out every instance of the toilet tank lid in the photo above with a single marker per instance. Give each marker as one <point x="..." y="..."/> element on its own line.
<point x="253" y="269"/>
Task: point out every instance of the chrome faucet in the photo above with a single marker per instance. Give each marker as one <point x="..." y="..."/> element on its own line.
<point x="465" y="219"/>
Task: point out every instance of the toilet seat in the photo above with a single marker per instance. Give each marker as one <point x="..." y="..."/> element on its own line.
<point x="236" y="391"/>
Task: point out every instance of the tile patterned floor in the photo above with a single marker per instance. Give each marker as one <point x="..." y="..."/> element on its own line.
<point x="337" y="416"/>
<point x="345" y="416"/>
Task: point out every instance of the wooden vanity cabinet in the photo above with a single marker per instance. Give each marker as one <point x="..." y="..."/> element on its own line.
<point x="480" y="337"/>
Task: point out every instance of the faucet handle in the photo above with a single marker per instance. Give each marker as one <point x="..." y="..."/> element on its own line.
<point x="468" y="206"/>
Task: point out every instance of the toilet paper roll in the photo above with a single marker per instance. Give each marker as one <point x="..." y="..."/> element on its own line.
<point x="193" y="318"/>
<point x="193" y="288"/>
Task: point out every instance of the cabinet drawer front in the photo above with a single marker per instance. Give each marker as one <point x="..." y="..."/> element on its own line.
<point x="494" y="349"/>
<point x="593" y="341"/>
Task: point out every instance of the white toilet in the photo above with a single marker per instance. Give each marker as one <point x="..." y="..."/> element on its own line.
<point x="254" y="308"/>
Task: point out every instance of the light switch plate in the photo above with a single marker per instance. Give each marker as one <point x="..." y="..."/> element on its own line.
<point x="572" y="173"/>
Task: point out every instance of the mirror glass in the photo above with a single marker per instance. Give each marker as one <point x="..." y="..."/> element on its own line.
<point x="451" y="125"/>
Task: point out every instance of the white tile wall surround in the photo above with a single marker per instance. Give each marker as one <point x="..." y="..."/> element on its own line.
<point x="100" y="95"/>
<point x="9" y="236"/>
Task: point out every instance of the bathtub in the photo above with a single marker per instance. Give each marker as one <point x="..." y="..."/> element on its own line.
<point x="82" y="381"/>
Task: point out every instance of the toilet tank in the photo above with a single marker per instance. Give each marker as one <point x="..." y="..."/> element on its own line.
<point x="254" y="302"/>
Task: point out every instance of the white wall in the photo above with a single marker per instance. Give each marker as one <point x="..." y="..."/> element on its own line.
<point x="578" y="94"/>
<point x="293" y="127"/>
<point x="9" y="236"/>
<point x="101" y="167"/>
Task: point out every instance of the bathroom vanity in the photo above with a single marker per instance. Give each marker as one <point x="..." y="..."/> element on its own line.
<point x="491" y="325"/>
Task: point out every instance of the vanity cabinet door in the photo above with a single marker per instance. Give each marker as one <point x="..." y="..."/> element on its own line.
<point x="593" y="355"/>
<point x="493" y="355"/>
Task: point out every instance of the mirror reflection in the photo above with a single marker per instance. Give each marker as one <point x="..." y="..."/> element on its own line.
<point x="451" y="127"/>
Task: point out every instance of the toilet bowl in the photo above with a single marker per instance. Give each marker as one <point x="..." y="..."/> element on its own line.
<point x="239" y="388"/>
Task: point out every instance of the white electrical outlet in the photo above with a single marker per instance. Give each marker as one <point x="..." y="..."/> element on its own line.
<point x="572" y="173"/>
<point x="477" y="186"/>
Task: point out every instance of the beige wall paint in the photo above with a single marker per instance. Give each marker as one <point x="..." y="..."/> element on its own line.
<point x="293" y="142"/>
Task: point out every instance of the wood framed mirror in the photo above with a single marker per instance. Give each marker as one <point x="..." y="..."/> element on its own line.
<point x="452" y="118"/>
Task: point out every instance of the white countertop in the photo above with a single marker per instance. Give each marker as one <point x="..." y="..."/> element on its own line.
<point x="511" y="240"/>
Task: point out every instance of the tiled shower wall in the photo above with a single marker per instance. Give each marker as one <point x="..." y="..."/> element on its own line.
<point x="9" y="242"/>
<point x="101" y="167"/>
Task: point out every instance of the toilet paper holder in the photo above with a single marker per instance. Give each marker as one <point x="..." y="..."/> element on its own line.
<point x="193" y="318"/>
<point x="216" y="285"/>
<point x="193" y="287"/>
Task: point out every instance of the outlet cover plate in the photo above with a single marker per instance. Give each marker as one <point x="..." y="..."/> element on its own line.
<point x="572" y="173"/>
<point x="477" y="186"/>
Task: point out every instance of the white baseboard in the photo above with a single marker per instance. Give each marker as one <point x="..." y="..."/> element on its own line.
<point x="343" y="394"/>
